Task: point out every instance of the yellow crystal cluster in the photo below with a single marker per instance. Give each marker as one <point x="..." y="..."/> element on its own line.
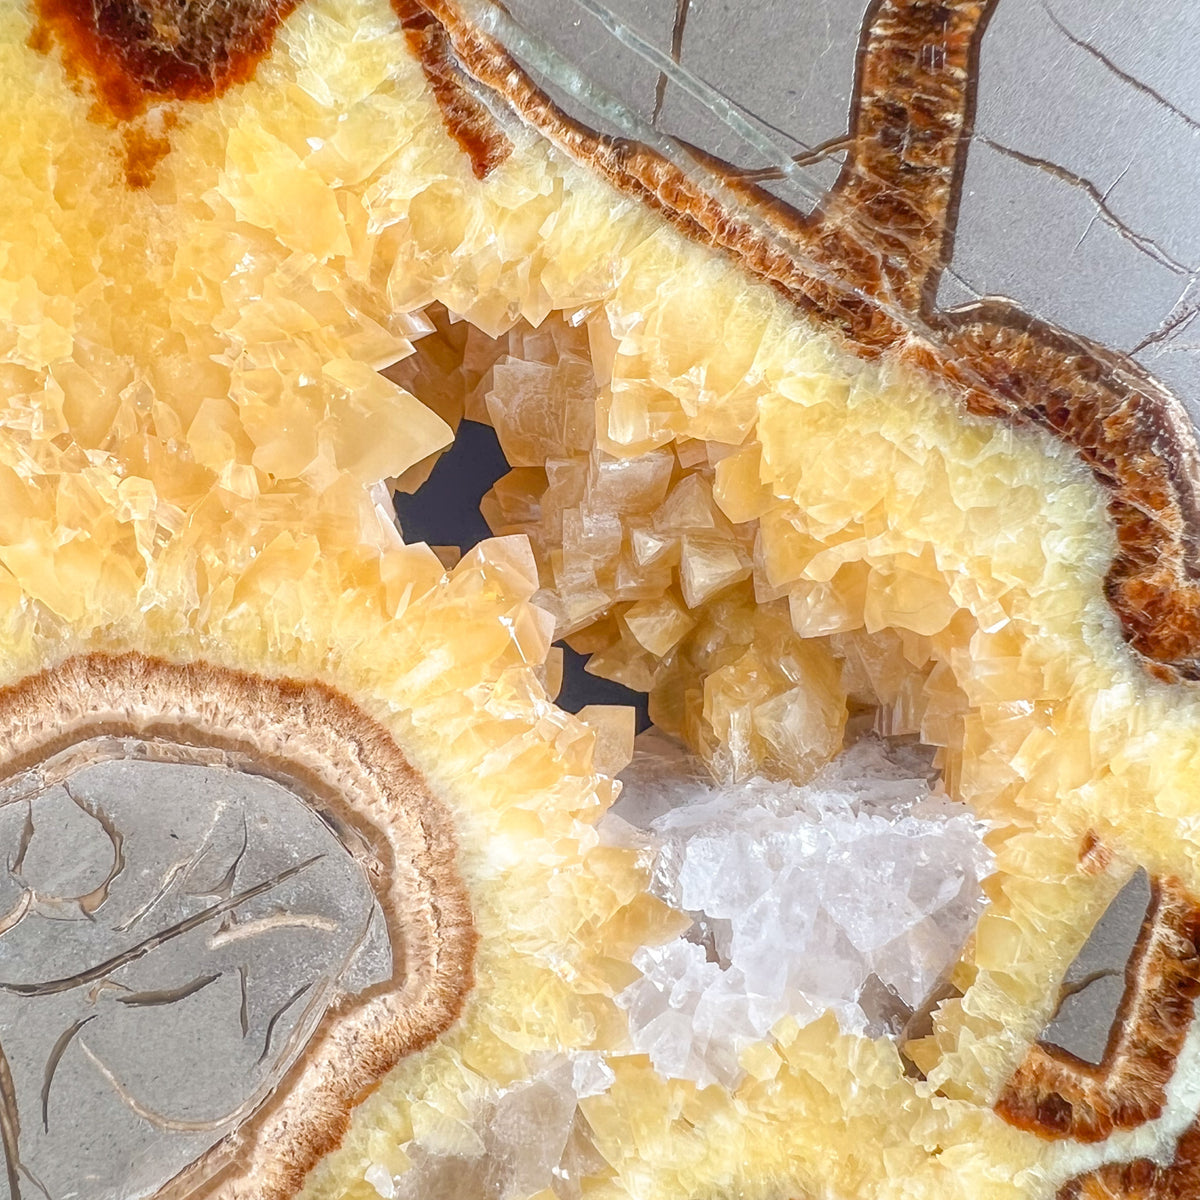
<point x="726" y="507"/>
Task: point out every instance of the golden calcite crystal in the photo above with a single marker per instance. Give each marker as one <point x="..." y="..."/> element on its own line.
<point x="208" y="368"/>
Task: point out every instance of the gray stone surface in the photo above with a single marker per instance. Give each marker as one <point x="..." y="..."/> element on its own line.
<point x="172" y="933"/>
<point x="784" y="71"/>
<point x="1094" y="984"/>
<point x="1078" y="199"/>
<point x="789" y="67"/>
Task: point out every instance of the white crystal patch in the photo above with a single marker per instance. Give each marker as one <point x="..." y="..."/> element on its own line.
<point x="855" y="889"/>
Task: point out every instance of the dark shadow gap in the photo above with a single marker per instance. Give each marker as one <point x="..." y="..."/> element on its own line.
<point x="444" y="511"/>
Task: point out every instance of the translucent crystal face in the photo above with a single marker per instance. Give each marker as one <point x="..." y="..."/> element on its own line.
<point x="172" y="934"/>
<point x="852" y="895"/>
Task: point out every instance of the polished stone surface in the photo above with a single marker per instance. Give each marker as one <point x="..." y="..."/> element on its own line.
<point x="1094" y="985"/>
<point x="1077" y="196"/>
<point x="173" y="933"/>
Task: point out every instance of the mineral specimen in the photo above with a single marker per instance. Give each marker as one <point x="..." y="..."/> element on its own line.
<point x="343" y="904"/>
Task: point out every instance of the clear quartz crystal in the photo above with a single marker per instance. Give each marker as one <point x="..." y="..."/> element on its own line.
<point x="852" y="894"/>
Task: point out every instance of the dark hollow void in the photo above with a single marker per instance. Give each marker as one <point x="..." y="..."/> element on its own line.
<point x="444" y="511"/>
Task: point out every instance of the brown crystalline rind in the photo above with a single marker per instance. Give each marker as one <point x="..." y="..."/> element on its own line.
<point x="868" y="260"/>
<point x="1056" y="1095"/>
<point x="1143" y="1179"/>
<point x="467" y="120"/>
<point x="328" y="751"/>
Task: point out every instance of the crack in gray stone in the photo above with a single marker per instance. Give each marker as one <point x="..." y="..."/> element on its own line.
<point x="1089" y="999"/>
<point x="166" y="952"/>
<point x="1124" y="76"/>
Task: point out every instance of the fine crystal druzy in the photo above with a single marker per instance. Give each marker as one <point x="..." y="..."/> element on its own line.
<point x="885" y="509"/>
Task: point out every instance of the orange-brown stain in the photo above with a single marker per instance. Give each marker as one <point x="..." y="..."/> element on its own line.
<point x="1094" y="856"/>
<point x="144" y="150"/>
<point x="139" y="53"/>
<point x="466" y="119"/>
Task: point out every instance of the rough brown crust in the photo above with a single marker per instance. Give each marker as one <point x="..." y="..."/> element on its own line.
<point x="868" y="260"/>
<point x="1142" y="1178"/>
<point x="1056" y="1095"/>
<point x="467" y="121"/>
<point x="326" y="749"/>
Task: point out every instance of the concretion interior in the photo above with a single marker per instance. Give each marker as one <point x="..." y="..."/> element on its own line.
<point x="792" y="543"/>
